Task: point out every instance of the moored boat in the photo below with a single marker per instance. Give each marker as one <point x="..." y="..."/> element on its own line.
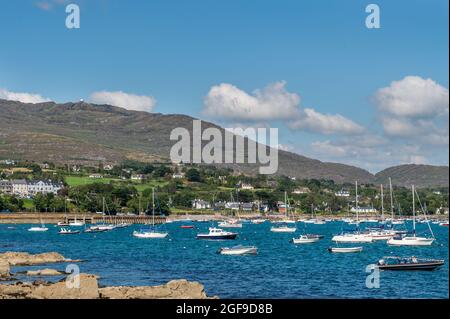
<point x="283" y="229"/>
<point x="66" y="231"/>
<point x="408" y="263"/>
<point x="217" y="233"/>
<point x="345" y="249"/>
<point x="238" y="250"/>
<point x="306" y="239"/>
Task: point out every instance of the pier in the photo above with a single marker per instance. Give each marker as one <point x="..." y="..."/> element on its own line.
<point x="54" y="218"/>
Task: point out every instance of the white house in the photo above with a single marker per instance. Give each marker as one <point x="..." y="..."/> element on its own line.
<point x="178" y="175"/>
<point x="363" y="210"/>
<point x="43" y="187"/>
<point x="232" y="205"/>
<point x="97" y="176"/>
<point x="108" y="167"/>
<point x="301" y="190"/>
<point x="247" y="186"/>
<point x="342" y="193"/>
<point x="137" y="177"/>
<point x="20" y="187"/>
<point x="200" y="204"/>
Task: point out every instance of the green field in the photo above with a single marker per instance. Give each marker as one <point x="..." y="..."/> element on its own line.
<point x="84" y="180"/>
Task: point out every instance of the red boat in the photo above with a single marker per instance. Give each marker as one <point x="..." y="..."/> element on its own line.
<point x="187" y="226"/>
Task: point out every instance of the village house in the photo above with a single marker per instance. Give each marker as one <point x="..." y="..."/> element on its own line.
<point x="43" y="187"/>
<point x="342" y="193"/>
<point x="178" y="175"/>
<point x="200" y="204"/>
<point x="6" y="187"/>
<point x="248" y="207"/>
<point x="137" y="177"/>
<point x="108" y="167"/>
<point x="232" y="205"/>
<point x="97" y="176"/>
<point x="301" y="190"/>
<point x="20" y="187"/>
<point x="364" y="210"/>
<point x="246" y="186"/>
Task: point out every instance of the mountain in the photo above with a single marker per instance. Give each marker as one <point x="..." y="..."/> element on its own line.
<point x="84" y="133"/>
<point x="420" y="175"/>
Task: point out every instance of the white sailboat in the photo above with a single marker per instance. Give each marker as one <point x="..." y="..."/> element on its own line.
<point x="382" y="234"/>
<point x="41" y="228"/>
<point x="355" y="237"/>
<point x="413" y="240"/>
<point x="284" y="228"/>
<point x="151" y="233"/>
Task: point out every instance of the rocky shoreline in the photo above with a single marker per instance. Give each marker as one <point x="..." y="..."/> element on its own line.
<point x="83" y="286"/>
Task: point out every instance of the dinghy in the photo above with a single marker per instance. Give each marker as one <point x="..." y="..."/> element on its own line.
<point x="38" y="229"/>
<point x="283" y="229"/>
<point x="238" y="250"/>
<point x="345" y="249"/>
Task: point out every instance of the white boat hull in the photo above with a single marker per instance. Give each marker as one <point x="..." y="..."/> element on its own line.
<point x="352" y="239"/>
<point x="229" y="225"/>
<point x="411" y="241"/>
<point x="38" y="229"/>
<point x="283" y="230"/>
<point x="305" y="240"/>
<point x="150" y="235"/>
<point x="345" y="249"/>
<point x="239" y="251"/>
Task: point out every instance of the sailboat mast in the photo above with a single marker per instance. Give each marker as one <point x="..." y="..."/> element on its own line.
<point x="153" y="207"/>
<point x="356" y="200"/>
<point x="392" y="198"/>
<point x="382" y="202"/>
<point x="285" y="204"/>
<point x="414" y="209"/>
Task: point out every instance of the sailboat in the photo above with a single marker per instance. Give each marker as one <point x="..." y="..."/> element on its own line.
<point x="284" y="228"/>
<point x="151" y="233"/>
<point x="42" y="228"/>
<point x="356" y="237"/>
<point x="413" y="240"/>
<point x="64" y="223"/>
<point x="76" y="223"/>
<point x="382" y="234"/>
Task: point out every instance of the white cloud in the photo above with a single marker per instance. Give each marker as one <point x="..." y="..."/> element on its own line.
<point x="325" y="123"/>
<point x="22" y="97"/>
<point x="273" y="102"/>
<point x="413" y="97"/>
<point x="125" y="100"/>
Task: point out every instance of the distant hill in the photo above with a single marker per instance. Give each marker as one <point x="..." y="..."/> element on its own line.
<point x="420" y="175"/>
<point x="85" y="133"/>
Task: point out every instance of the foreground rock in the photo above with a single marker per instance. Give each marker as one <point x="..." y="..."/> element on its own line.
<point x="26" y="259"/>
<point x="44" y="272"/>
<point x="175" y="289"/>
<point x="4" y="269"/>
<point x="88" y="289"/>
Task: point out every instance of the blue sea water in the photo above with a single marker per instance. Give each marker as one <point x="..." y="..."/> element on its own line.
<point x="280" y="270"/>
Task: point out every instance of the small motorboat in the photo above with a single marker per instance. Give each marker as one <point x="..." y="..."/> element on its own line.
<point x="283" y="229"/>
<point x="319" y="222"/>
<point x="76" y="224"/>
<point x="238" y="250"/>
<point x="38" y="229"/>
<point x="345" y="249"/>
<point x="63" y="224"/>
<point x="122" y="225"/>
<point x="408" y="263"/>
<point x="66" y="231"/>
<point x="258" y="221"/>
<point x="230" y="224"/>
<point x="306" y="239"/>
<point x="95" y="229"/>
<point x="310" y="221"/>
<point x="149" y="234"/>
<point x="444" y="224"/>
<point x="187" y="226"/>
<point x="217" y="233"/>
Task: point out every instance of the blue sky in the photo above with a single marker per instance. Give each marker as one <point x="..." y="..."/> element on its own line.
<point x="202" y="57"/>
